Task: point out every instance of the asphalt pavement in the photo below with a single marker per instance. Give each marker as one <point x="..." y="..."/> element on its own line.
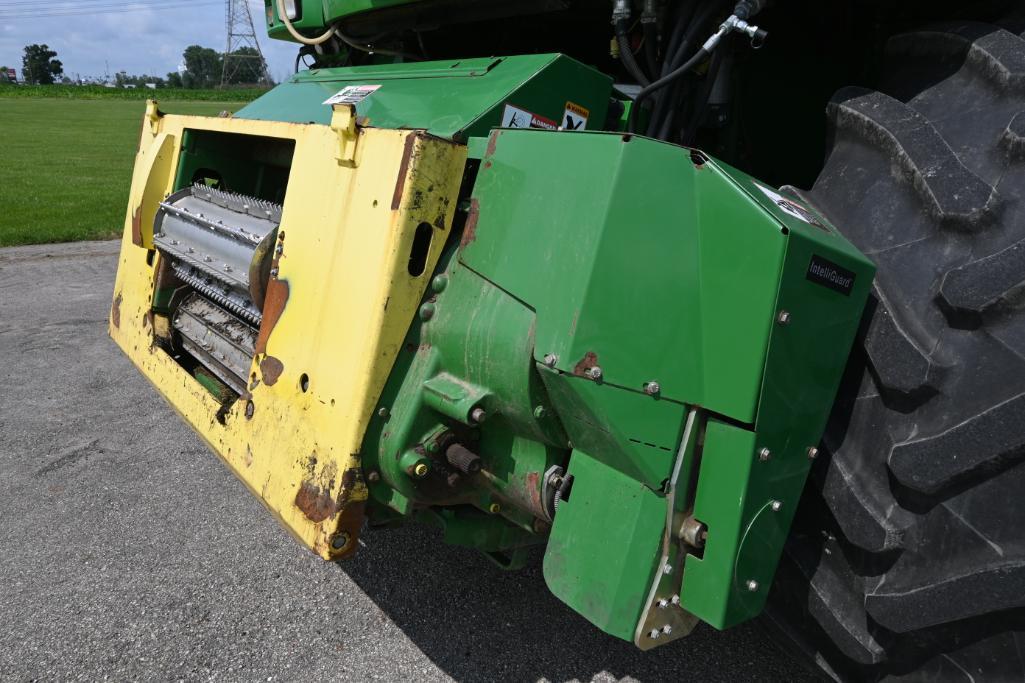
<point x="128" y="552"/>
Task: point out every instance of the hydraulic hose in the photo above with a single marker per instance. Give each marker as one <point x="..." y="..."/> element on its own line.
<point x="626" y="55"/>
<point x="661" y="83"/>
<point x="298" y="36"/>
<point x="351" y="42"/>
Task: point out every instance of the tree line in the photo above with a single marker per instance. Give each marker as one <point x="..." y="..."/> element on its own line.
<point x="204" y="68"/>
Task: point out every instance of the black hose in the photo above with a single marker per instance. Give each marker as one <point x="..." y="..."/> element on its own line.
<point x="661" y="83"/>
<point x="651" y="46"/>
<point x="626" y="55"/>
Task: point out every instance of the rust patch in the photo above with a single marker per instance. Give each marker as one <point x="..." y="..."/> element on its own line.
<point x="273" y="307"/>
<point x="115" y="311"/>
<point x="400" y="184"/>
<point x="470" y="229"/>
<point x="589" y="360"/>
<point x="492" y="143"/>
<point x="271" y="369"/>
<point x="350" y="521"/>
<point x="534" y="489"/>
<point x="315" y="502"/>
<point x="137" y="226"/>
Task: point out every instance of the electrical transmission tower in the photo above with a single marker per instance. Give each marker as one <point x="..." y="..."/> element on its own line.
<point x="241" y="35"/>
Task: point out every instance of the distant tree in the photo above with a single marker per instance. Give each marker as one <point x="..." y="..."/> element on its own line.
<point x="4" y="78"/>
<point x="121" y="79"/>
<point x="203" y="67"/>
<point x="174" y="80"/>
<point x="39" y="66"/>
<point x="249" y="69"/>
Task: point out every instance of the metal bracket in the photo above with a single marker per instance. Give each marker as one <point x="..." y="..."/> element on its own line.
<point x="663" y="619"/>
<point x="343" y="123"/>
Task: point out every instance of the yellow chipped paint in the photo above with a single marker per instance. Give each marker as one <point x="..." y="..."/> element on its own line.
<point x="350" y="302"/>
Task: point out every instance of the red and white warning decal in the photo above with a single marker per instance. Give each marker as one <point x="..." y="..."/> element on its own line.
<point x="574" y="117"/>
<point x="514" y="117"/>
<point x="351" y="94"/>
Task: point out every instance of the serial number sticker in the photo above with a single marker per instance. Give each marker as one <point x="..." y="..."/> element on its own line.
<point x="514" y="117"/>
<point x="351" y="94"/>
<point x="574" y="117"/>
<point x="824" y="272"/>
<point x="792" y="207"/>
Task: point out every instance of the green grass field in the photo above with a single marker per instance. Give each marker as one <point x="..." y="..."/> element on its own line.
<point x="66" y="164"/>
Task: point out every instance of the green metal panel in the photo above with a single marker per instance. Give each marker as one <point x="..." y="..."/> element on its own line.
<point x="737" y="488"/>
<point x="604" y="545"/>
<point x="643" y="262"/>
<point x="451" y="99"/>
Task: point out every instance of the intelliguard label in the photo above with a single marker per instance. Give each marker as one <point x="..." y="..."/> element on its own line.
<point x="828" y="274"/>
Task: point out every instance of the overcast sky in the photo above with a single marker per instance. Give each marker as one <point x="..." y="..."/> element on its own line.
<point x="147" y="36"/>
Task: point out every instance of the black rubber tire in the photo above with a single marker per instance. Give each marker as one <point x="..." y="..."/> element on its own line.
<point x="907" y="559"/>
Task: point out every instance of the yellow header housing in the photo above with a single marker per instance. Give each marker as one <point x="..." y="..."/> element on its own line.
<point x="337" y="312"/>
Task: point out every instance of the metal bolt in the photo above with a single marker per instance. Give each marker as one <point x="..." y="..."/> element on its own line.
<point x="191" y="250"/>
<point x="279" y="249"/>
<point x="764" y="454"/>
<point x="373" y="475"/>
<point x="227" y="268"/>
<point x="652" y="388"/>
<point x="551" y="359"/>
<point x="663" y="603"/>
<point x="655" y="633"/>
<point x="439" y="283"/>
<point x="539" y="412"/>
<point x="274" y="272"/>
<point x="421" y="469"/>
<point x="477" y="415"/>
<point x="175" y="242"/>
<point x="340" y="541"/>
<point x="776" y="506"/>
<point x="250" y="409"/>
<point x="208" y="260"/>
<point x="667" y="629"/>
<point x="752" y="585"/>
<point x="494" y="508"/>
<point x="783" y="318"/>
<point x="426" y="312"/>
<point x="668" y="569"/>
<point x="813" y="452"/>
<point x="382" y="412"/>
<point x="594" y="373"/>
<point x="675" y="600"/>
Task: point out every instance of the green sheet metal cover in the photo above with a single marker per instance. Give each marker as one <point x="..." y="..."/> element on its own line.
<point x="451" y="99"/>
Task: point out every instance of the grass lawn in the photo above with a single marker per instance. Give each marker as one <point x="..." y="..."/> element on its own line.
<point x="66" y="165"/>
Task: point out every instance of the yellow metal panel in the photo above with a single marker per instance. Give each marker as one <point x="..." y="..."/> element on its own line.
<point x="337" y="312"/>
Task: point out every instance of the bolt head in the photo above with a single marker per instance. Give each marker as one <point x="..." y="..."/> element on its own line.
<point x="594" y="373"/>
<point x="783" y="318"/>
<point x="382" y="412"/>
<point x="551" y="359"/>
<point x="494" y="508"/>
<point x="426" y="312"/>
<point x="675" y="600"/>
<point x="764" y="454"/>
<point x="250" y="410"/>
<point x="655" y="633"/>
<point x="539" y="412"/>
<point x="477" y="415"/>
<point x="813" y="452"/>
<point x="668" y="569"/>
<point x="752" y="585"/>
<point x="667" y="629"/>
<point x="652" y="388"/>
<point x="340" y="541"/>
<point x="776" y="506"/>
<point x="421" y="469"/>
<point x="663" y="603"/>
<point x="373" y="475"/>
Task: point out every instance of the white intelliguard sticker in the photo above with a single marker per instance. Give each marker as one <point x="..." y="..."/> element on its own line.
<point x="791" y="207"/>
<point x="351" y="94"/>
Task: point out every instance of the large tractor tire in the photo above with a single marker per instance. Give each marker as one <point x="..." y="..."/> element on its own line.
<point x="907" y="560"/>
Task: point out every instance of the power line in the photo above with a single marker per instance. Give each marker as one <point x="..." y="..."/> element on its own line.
<point x="103" y="9"/>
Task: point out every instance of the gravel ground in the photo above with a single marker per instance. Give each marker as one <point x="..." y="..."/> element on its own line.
<point x="127" y="551"/>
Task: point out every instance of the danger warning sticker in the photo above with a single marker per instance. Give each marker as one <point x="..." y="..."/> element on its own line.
<point x="514" y="117"/>
<point x="574" y="117"/>
<point x="792" y="207"/>
<point x="351" y="94"/>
